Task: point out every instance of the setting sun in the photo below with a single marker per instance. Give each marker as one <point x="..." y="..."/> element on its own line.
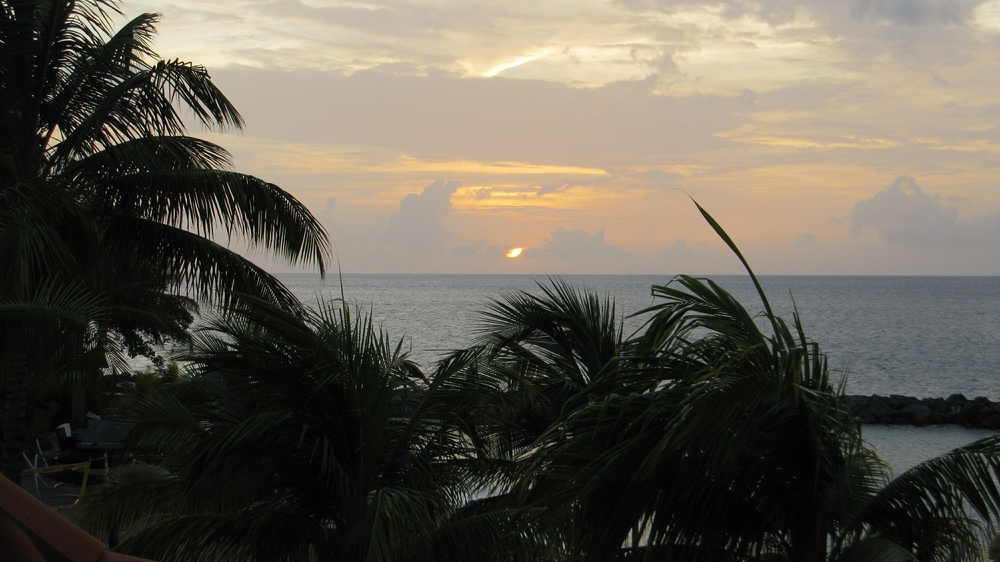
<point x="513" y="252"/>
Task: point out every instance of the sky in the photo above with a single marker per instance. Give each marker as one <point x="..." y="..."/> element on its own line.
<point x="432" y="136"/>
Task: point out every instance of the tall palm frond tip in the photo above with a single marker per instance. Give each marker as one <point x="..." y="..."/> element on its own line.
<point x="736" y="447"/>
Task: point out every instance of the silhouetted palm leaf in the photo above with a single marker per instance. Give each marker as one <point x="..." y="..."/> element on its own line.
<point x="298" y="435"/>
<point x="719" y="442"/>
<point x="99" y="185"/>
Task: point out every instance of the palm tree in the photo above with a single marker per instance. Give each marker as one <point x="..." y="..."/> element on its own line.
<point x="100" y="185"/>
<point x="544" y="353"/>
<point x="538" y="359"/>
<point x="748" y="453"/>
<point x="735" y="447"/>
<point x="702" y="437"/>
<point x="55" y="328"/>
<point x="299" y="436"/>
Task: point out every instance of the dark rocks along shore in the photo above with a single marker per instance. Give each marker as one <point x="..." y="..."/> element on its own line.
<point x="907" y="410"/>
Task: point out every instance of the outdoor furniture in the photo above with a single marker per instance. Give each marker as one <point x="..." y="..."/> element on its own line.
<point x="84" y="466"/>
<point x="45" y="462"/>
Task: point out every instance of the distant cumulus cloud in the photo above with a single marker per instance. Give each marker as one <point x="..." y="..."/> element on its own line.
<point x="417" y="224"/>
<point x="553" y="187"/>
<point x="682" y="256"/>
<point x="576" y="244"/>
<point x="805" y="239"/>
<point x="482" y="193"/>
<point x="903" y="213"/>
<point x="327" y="214"/>
<point x="658" y="59"/>
<point x="479" y="249"/>
<point x="681" y="248"/>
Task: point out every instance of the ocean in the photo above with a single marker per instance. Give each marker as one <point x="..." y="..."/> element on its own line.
<point x="916" y="336"/>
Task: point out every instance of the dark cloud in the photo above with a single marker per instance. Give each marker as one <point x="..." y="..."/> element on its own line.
<point x="479" y="249"/>
<point x="576" y="244"/>
<point x="417" y="224"/>
<point x="903" y="213"/>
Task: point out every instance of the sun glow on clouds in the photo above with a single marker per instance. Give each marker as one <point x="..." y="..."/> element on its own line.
<point x="498" y="69"/>
<point x="589" y="43"/>
<point x="987" y="16"/>
<point x="796" y="108"/>
<point x="512" y="197"/>
<point x="466" y="166"/>
<point x="316" y="158"/>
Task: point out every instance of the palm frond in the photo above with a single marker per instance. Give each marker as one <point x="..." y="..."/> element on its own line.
<point x="944" y="508"/>
<point x="732" y="246"/>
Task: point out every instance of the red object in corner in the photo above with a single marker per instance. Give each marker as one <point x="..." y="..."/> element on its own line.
<point x="31" y="531"/>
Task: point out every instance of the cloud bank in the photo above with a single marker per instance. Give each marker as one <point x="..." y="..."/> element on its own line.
<point x="479" y="249"/>
<point x="902" y="213"/>
<point x="417" y="224"/>
<point x="576" y="244"/>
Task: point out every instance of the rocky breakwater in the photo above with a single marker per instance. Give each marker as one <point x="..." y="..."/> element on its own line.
<point x="907" y="410"/>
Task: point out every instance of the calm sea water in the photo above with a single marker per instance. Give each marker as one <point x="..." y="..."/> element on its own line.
<point x="918" y="336"/>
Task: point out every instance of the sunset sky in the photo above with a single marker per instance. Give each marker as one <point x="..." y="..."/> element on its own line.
<point x="856" y="137"/>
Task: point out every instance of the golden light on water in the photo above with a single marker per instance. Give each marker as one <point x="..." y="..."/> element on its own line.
<point x="513" y="252"/>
